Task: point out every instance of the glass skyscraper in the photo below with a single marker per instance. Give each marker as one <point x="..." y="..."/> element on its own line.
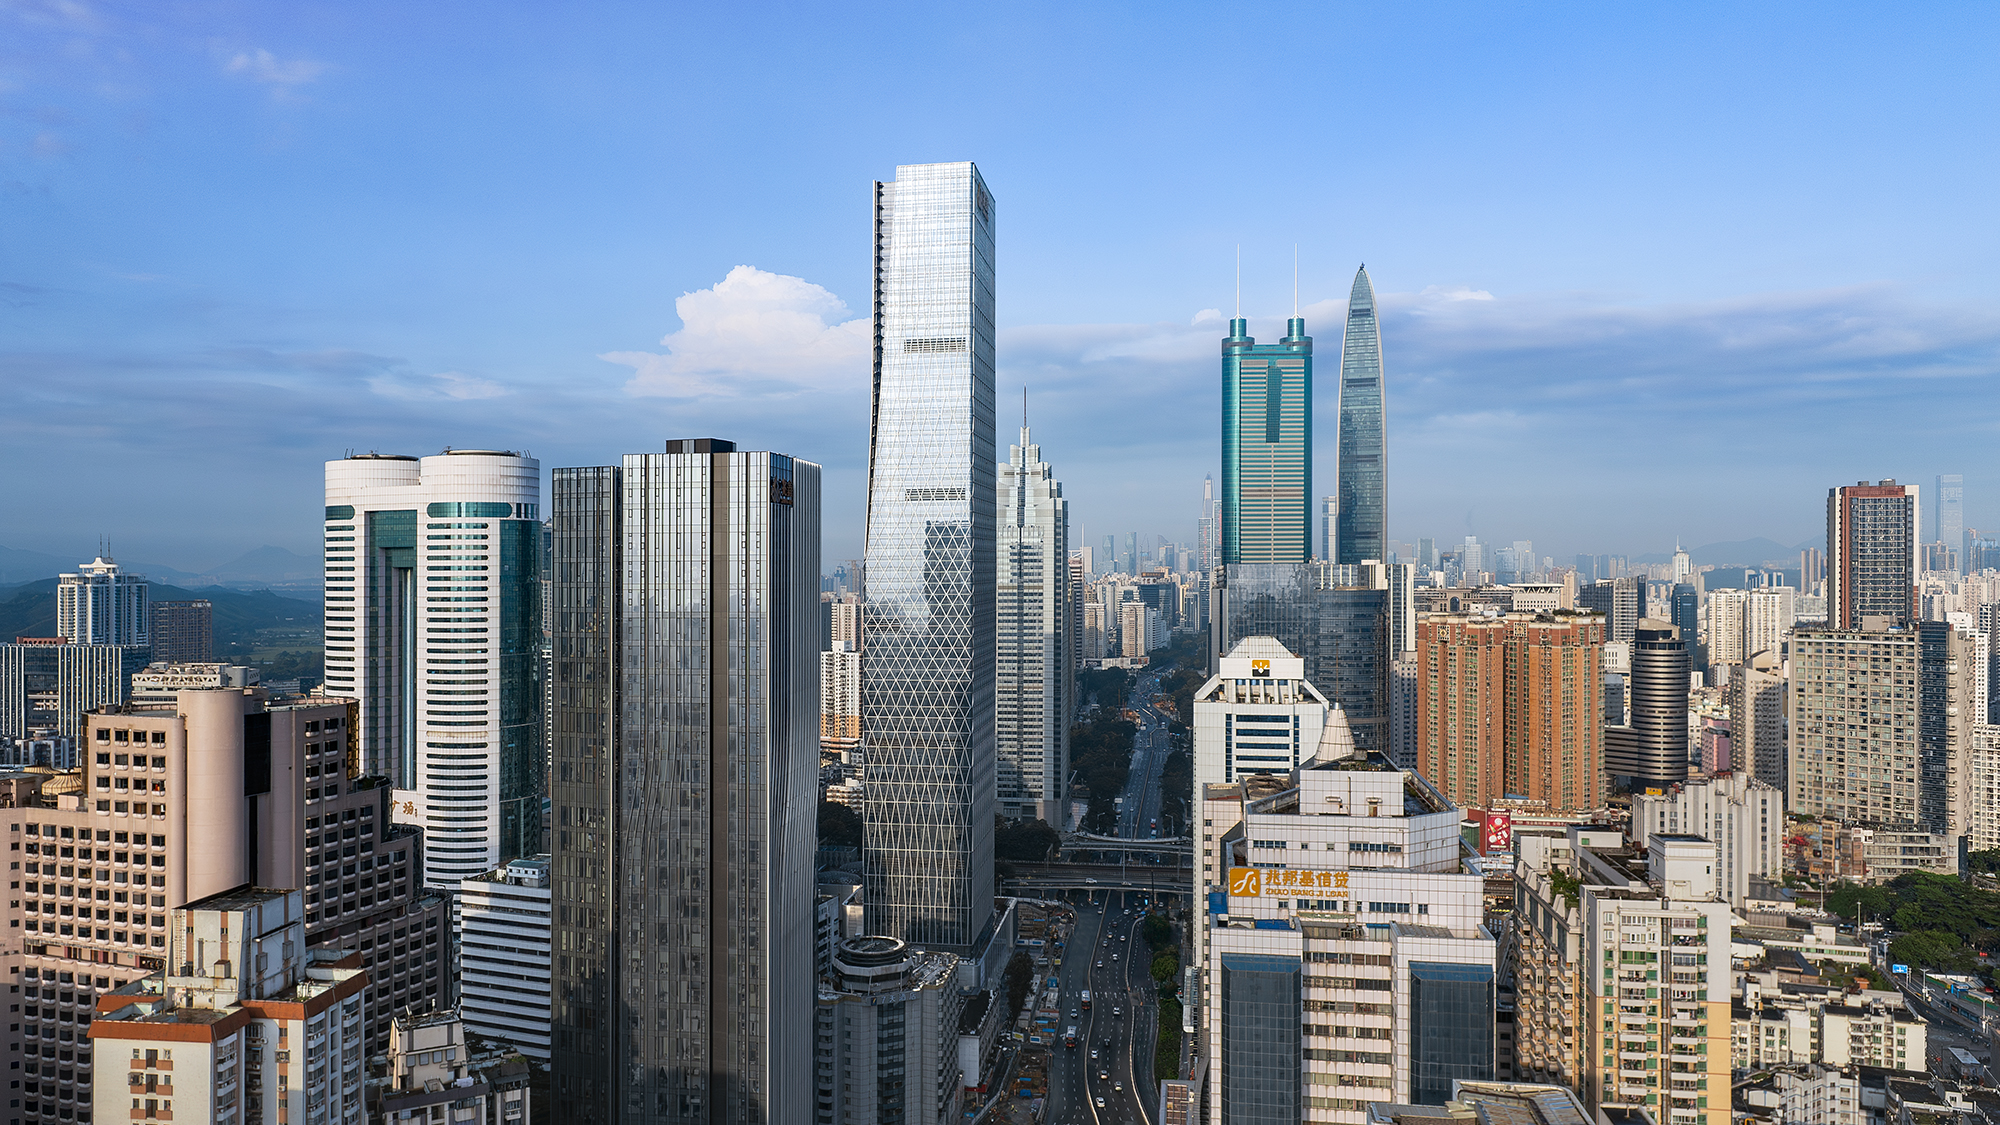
<point x="1363" y="481"/>
<point x="685" y="759"/>
<point x="927" y="681"/>
<point x="1266" y="446"/>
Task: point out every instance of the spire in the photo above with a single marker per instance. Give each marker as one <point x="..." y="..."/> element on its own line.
<point x="1363" y="296"/>
<point x="1239" y="281"/>
<point x="1295" y="281"/>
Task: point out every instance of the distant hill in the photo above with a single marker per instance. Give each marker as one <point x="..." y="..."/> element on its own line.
<point x="268" y="566"/>
<point x="30" y="611"/>
<point x="27" y="566"/>
<point x="273" y="567"/>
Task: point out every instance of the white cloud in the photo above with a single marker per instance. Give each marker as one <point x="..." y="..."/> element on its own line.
<point x="1207" y="316"/>
<point x="444" y="385"/>
<point x="263" y="66"/>
<point x="1453" y="293"/>
<point x="755" y="333"/>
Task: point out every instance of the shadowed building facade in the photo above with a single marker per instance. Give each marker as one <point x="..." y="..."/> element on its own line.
<point x="685" y="764"/>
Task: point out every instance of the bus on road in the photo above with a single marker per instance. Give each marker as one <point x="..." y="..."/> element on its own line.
<point x="1069" y="1036"/>
<point x="1086" y="999"/>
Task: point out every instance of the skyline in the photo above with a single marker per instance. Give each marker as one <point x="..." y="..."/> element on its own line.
<point x="318" y="268"/>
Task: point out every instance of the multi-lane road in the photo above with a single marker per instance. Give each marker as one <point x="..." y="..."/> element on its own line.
<point x="1107" y="1078"/>
<point x="1103" y="1079"/>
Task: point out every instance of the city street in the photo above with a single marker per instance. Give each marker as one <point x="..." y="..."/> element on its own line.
<point x="1107" y="1078"/>
<point x="1113" y="1056"/>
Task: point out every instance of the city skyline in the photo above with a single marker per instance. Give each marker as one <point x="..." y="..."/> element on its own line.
<point x="765" y="787"/>
<point x="393" y="319"/>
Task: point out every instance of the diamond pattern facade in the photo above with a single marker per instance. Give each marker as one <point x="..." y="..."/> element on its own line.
<point x="927" y="680"/>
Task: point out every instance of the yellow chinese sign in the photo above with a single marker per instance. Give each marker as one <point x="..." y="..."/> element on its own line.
<point x="1252" y="882"/>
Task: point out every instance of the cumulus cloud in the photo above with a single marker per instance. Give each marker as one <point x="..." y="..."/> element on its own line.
<point x="261" y="65"/>
<point x="754" y="333"/>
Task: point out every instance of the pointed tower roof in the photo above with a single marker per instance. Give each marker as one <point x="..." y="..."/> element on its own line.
<point x="1336" y="739"/>
<point x="1363" y="295"/>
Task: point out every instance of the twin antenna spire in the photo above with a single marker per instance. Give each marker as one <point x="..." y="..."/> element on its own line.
<point x="1239" y="301"/>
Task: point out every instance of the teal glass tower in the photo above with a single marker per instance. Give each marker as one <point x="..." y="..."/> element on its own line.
<point x="1362" y="525"/>
<point x="1266" y="446"/>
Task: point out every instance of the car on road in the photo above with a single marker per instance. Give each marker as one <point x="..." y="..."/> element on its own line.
<point x="1104" y="1076"/>
<point x="1073" y="1013"/>
<point x="1100" y="1103"/>
<point x="1100" y="963"/>
<point x="1117" y="1011"/>
<point x="1090" y="882"/>
<point x="1093" y="1052"/>
<point x="1118" y="1087"/>
<point x="1114" y="957"/>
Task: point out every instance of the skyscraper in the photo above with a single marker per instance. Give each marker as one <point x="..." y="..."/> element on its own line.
<point x="433" y="622"/>
<point x="100" y="604"/>
<point x="1363" y="480"/>
<point x="1652" y="752"/>
<point x="1034" y="671"/>
<point x="927" y="681"/>
<point x="686" y="669"/>
<point x="1266" y="446"/>
<point x="1208" y="528"/>
<point x="1622" y="601"/>
<point x="1329" y="518"/>
<point x="1948" y="512"/>
<point x="1871" y="553"/>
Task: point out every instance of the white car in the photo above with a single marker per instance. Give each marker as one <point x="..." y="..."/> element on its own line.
<point x="1117" y="1011"/>
<point x="1100" y="1103"/>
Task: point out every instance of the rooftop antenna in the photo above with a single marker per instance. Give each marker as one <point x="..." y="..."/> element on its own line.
<point x="1024" y="406"/>
<point x="1239" y="281"/>
<point x="1295" y="281"/>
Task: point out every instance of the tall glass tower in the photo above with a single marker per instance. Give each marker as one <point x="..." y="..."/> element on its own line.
<point x="685" y="756"/>
<point x="1363" y="521"/>
<point x="927" y="687"/>
<point x="1266" y="446"/>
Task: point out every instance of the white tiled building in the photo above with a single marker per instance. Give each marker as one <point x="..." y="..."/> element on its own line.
<point x="1742" y="815"/>
<point x="1256" y="715"/>
<point x="504" y="955"/>
<point x="1342" y="958"/>
<point x="433" y="621"/>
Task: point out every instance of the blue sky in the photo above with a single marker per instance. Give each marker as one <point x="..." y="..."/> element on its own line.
<point x="1645" y="271"/>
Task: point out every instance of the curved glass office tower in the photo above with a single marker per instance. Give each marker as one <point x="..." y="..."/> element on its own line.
<point x="433" y="622"/>
<point x="927" y="694"/>
<point x="1363" y="526"/>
